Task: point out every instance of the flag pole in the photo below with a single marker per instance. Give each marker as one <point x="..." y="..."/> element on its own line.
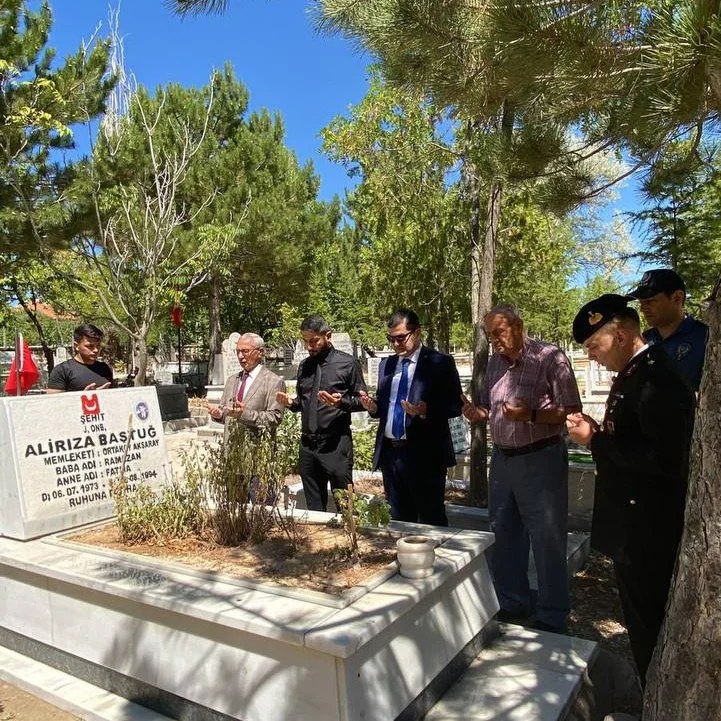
<point x="18" y="362"/>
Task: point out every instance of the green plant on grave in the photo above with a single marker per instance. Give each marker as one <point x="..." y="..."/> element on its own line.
<point x="176" y="510"/>
<point x="361" y="511"/>
<point x="364" y="443"/>
<point x="287" y="442"/>
<point x="244" y="477"/>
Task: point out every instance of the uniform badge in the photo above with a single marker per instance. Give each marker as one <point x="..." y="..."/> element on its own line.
<point x="683" y="350"/>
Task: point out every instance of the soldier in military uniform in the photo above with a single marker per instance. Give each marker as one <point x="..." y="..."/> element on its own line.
<point x="641" y="453"/>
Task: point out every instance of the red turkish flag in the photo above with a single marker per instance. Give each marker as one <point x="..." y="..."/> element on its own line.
<point x="28" y="370"/>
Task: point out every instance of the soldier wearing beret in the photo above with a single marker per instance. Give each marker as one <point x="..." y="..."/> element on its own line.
<point x="641" y="452"/>
<point x="661" y="295"/>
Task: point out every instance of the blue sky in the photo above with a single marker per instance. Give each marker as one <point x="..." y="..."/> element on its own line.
<point x="287" y="66"/>
<point x="274" y="48"/>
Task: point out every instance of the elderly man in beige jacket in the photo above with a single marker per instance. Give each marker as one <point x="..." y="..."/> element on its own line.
<point x="250" y="396"/>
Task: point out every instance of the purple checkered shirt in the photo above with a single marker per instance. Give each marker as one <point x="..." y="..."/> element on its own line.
<point x="540" y="378"/>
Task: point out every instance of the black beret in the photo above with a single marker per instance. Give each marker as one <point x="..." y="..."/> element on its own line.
<point x="597" y="313"/>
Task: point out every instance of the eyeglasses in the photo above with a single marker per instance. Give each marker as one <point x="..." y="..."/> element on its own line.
<point x="400" y="338"/>
<point x="245" y="351"/>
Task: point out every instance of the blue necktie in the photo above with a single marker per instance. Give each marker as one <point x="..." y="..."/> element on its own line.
<point x="399" y="415"/>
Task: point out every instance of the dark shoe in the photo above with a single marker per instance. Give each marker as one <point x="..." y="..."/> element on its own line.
<point x="519" y="618"/>
<point x="541" y="626"/>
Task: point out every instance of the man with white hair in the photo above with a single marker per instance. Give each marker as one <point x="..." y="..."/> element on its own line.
<point x="250" y="396"/>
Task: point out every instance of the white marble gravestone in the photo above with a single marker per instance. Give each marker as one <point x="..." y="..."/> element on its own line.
<point x="342" y="342"/>
<point x="231" y="365"/>
<point x="60" y="453"/>
<point x="372" y="374"/>
<point x="300" y="352"/>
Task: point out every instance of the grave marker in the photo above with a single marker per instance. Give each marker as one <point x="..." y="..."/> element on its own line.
<point x="60" y="454"/>
<point x="342" y="342"/>
<point x="231" y="364"/>
<point x="300" y="352"/>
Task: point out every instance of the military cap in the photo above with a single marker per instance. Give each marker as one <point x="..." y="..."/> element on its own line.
<point x="597" y="313"/>
<point x="661" y="280"/>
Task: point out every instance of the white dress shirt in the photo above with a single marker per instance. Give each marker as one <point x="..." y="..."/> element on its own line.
<point x="395" y="382"/>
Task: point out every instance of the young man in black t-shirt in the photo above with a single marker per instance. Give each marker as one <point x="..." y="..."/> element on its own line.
<point x="83" y="372"/>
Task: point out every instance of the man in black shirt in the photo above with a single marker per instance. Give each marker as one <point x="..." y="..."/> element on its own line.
<point x="327" y="392"/>
<point x="83" y="372"/>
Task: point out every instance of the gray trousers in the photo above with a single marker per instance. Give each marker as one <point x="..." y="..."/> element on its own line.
<point x="528" y="508"/>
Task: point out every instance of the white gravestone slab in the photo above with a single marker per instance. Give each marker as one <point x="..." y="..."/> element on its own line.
<point x="300" y="352"/>
<point x="342" y="342"/>
<point x="372" y="374"/>
<point x="373" y="363"/>
<point x="231" y="365"/>
<point x="60" y="454"/>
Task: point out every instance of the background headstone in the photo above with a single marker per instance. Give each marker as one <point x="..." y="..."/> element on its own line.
<point x="342" y="342"/>
<point x="58" y="475"/>
<point x="231" y="365"/>
<point x="300" y="352"/>
<point x="372" y="374"/>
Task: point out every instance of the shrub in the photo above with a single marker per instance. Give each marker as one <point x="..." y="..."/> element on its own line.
<point x="364" y="443"/>
<point x="177" y="510"/>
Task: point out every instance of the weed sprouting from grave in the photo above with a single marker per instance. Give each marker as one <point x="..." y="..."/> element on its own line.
<point x="361" y="511"/>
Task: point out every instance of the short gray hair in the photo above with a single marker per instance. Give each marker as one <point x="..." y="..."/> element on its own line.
<point x="255" y="338"/>
<point x="508" y="311"/>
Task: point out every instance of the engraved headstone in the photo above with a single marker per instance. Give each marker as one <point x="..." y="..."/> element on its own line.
<point x="342" y="342"/>
<point x="55" y="476"/>
<point x="372" y="374"/>
<point x="231" y="365"/>
<point x="61" y="354"/>
<point x="300" y="352"/>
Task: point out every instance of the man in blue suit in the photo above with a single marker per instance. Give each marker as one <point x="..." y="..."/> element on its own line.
<point x="418" y="391"/>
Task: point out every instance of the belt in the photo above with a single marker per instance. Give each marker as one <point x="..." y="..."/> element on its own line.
<point x="530" y="448"/>
<point x="320" y="436"/>
<point x="395" y="442"/>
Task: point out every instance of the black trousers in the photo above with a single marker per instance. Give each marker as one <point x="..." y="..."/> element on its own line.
<point x="324" y="460"/>
<point x="415" y="488"/>
<point x="643" y="576"/>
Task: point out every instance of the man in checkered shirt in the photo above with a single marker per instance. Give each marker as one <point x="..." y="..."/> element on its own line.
<point x="528" y="392"/>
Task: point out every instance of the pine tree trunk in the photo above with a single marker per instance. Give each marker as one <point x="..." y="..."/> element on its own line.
<point x="215" y="341"/>
<point x="685" y="674"/>
<point x="483" y="261"/>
